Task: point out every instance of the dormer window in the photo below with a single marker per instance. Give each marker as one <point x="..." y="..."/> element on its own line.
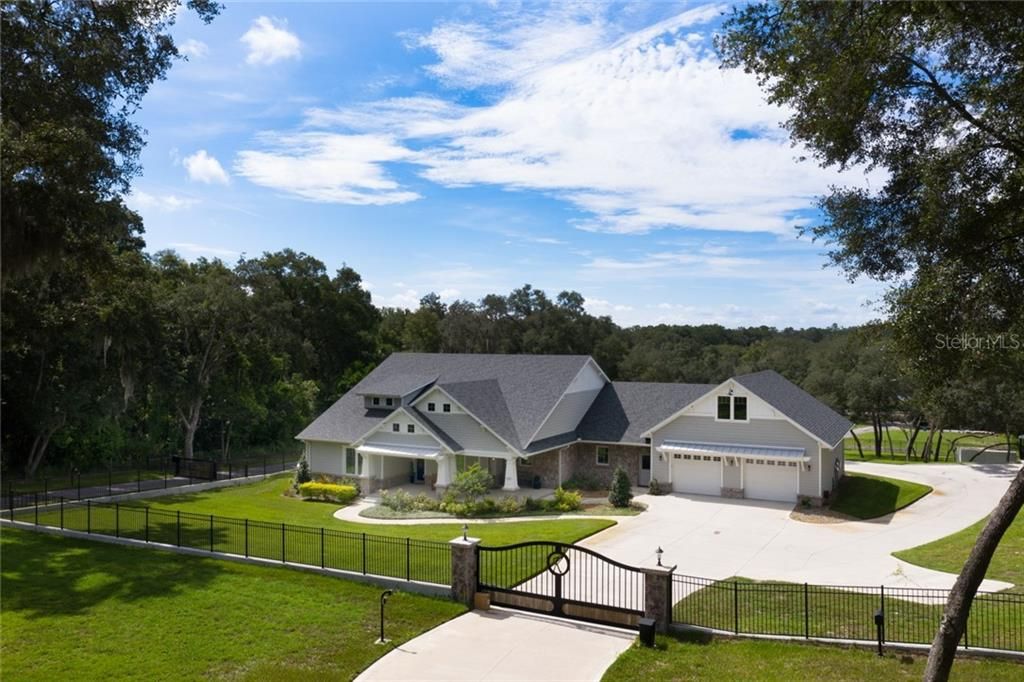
<point x="411" y="428"/>
<point x="732" y="408"/>
<point x="376" y="401"/>
<point x="389" y="401"/>
<point x="431" y="407"/>
<point x="396" y="427"/>
<point x="447" y="407"/>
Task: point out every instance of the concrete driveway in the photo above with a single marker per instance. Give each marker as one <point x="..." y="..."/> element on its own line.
<point x="717" y="538"/>
<point x="500" y="644"/>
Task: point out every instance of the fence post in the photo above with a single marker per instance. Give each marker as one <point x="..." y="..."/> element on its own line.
<point x="364" y="553"/>
<point x="88" y="516"/>
<point x="408" y="571"/>
<point x="147" y="523"/>
<point x="736" y="607"/>
<point x="807" y="615"/>
<point x="465" y="569"/>
<point x="117" y="520"/>
<point x="46" y="488"/>
<point x="211" y="532"/>
<point x="62" y="512"/>
<point x="657" y="595"/>
<point x="178" y="527"/>
<point x="110" y="478"/>
<point x="37" y="507"/>
<point x="246" y="538"/>
<point x="79" y="485"/>
<point x="246" y="470"/>
<point x="138" y="479"/>
<point x="229" y="469"/>
<point x="10" y="499"/>
<point x="282" y="543"/>
<point x="163" y="465"/>
<point x="264" y="466"/>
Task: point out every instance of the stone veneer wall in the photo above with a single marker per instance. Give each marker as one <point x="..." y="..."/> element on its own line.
<point x="544" y="465"/>
<point x="580" y="459"/>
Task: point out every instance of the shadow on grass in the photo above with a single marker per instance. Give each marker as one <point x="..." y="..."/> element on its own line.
<point x="45" y="575"/>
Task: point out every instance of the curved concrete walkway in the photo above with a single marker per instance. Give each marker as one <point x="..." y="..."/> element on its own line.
<point x="501" y="644"/>
<point x="353" y="511"/>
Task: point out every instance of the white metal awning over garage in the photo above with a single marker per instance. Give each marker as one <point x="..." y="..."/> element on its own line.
<point x="737" y="451"/>
<point x="407" y="451"/>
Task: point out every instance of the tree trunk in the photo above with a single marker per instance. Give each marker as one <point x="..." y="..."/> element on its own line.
<point x="888" y="435"/>
<point x="913" y="437"/>
<point x="191" y="423"/>
<point x="876" y="423"/>
<point x="938" y="446"/>
<point x="856" y="440"/>
<point x="958" y="606"/>
<point x="926" y="449"/>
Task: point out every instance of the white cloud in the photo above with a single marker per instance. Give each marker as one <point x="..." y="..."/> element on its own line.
<point x="194" y="49"/>
<point x="326" y="167"/>
<point x="142" y="201"/>
<point x="201" y="167"/>
<point x="269" y="41"/>
<point x="193" y="249"/>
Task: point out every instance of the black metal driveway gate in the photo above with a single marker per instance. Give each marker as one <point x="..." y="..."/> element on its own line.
<point x="562" y="580"/>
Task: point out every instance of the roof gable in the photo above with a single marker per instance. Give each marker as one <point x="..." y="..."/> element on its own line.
<point x="802" y="408"/>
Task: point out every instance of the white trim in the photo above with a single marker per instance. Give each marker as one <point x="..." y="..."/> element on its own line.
<point x="590" y="361"/>
<point x="401" y="451"/>
<point x="362" y="439"/>
<point x="666" y="447"/>
<point x="788" y="418"/>
<point x="478" y="420"/>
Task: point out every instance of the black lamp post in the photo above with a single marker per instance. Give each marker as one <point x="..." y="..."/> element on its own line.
<point x="465" y="531"/>
<point x="383" y="600"/>
<point x="659" y="552"/>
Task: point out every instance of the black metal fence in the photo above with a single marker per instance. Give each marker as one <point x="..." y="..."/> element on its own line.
<point x="393" y="557"/>
<point x="908" y="615"/>
<point x="150" y="473"/>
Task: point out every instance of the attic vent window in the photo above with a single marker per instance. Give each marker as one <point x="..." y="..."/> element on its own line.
<point x="447" y="407"/>
<point x="376" y="401"/>
<point x="396" y="427"/>
<point x="431" y="407"/>
<point x="411" y="428"/>
<point x="732" y="408"/>
<point x="389" y="402"/>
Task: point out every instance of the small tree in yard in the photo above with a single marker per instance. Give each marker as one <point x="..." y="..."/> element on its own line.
<point x="469" y="486"/>
<point x="621" y="492"/>
<point x="302" y="473"/>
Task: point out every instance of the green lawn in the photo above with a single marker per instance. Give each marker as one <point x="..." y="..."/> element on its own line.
<point x="777" y="608"/>
<point x="949" y="553"/>
<point x="899" y="436"/>
<point x="868" y="497"/>
<point x="83" y="610"/>
<point x="264" y="501"/>
<point x="694" y="658"/>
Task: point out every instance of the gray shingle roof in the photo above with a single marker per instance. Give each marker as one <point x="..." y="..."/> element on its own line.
<point x="399" y="384"/>
<point x="511" y="394"/>
<point x="797" y="404"/>
<point x="623" y="410"/>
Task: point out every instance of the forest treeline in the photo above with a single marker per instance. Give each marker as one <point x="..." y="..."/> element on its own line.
<point x="141" y="354"/>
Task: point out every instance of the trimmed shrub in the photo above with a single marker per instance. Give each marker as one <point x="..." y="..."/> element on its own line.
<point x="469" y="487"/>
<point x="510" y="505"/>
<point x="581" y="482"/>
<point x="302" y="473"/>
<point x="565" y="500"/>
<point x="401" y="501"/>
<point x="621" y="492"/>
<point x="656" y="488"/>
<point x="331" y="492"/>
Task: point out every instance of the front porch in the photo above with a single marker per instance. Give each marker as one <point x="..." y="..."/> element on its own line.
<point x="426" y="469"/>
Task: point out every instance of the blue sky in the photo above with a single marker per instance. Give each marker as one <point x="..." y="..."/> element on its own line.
<point x="468" y="148"/>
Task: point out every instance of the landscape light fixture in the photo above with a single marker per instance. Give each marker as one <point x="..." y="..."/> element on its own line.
<point x="659" y="552"/>
<point x="465" y="530"/>
<point x="383" y="600"/>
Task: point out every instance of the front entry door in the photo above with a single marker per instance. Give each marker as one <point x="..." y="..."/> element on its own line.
<point x="420" y="468"/>
<point x="645" y="469"/>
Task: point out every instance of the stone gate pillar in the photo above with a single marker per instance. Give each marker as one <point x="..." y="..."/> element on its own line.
<point x="464" y="569"/>
<point x="658" y="595"/>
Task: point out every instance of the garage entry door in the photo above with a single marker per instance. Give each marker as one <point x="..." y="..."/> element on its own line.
<point x="770" y="480"/>
<point x="697" y="474"/>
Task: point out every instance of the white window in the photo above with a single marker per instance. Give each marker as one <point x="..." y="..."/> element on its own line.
<point x="396" y="427"/>
<point x="446" y="407"/>
<point x="430" y="407"/>
<point x="602" y="456"/>
<point x="411" y="428"/>
<point x="678" y="456"/>
<point x="389" y="402"/>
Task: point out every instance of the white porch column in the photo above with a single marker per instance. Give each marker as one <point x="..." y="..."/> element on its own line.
<point x="511" y="475"/>
<point x="444" y="471"/>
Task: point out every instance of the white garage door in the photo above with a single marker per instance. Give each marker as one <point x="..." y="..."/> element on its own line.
<point x="697" y="474"/>
<point x="770" y="480"/>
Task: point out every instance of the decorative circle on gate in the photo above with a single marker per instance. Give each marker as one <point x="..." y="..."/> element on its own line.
<point x="555" y="562"/>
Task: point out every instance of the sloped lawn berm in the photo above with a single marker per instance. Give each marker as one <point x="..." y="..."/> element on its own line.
<point x="81" y="610"/>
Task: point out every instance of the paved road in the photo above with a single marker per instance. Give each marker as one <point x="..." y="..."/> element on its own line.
<point x="716" y="538"/>
<point x="501" y="644"/>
